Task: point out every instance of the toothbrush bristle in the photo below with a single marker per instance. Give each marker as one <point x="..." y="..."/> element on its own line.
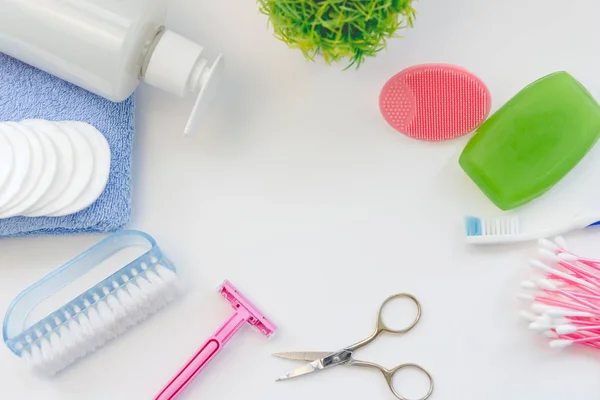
<point x="109" y="311"/>
<point x="499" y="226"/>
<point x="473" y="226"/>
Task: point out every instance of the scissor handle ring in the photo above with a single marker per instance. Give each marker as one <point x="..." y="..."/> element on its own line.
<point x="382" y="327"/>
<point x="390" y="380"/>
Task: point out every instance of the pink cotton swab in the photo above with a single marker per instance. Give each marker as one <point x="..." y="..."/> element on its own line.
<point x="565" y="303"/>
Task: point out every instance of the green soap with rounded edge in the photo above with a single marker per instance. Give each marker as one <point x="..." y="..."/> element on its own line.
<point x="533" y="141"/>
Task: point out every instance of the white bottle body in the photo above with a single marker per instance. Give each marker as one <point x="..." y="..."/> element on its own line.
<point x="99" y="45"/>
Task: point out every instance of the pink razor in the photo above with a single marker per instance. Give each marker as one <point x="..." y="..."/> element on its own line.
<point x="245" y="312"/>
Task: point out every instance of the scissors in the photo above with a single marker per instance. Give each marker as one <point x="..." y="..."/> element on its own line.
<point x="324" y="360"/>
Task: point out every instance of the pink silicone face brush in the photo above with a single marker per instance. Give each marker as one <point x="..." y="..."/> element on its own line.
<point x="435" y="102"/>
<point x="245" y="312"/>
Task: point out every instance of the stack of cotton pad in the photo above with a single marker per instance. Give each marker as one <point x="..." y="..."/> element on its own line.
<point x="51" y="169"/>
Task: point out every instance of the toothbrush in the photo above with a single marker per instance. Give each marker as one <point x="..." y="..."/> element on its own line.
<point x="565" y="300"/>
<point x="500" y="230"/>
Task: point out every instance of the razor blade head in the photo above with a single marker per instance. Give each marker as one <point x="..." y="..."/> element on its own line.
<point x="237" y="300"/>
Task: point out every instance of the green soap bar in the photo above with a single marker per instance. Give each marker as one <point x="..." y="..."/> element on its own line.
<point x="533" y="141"/>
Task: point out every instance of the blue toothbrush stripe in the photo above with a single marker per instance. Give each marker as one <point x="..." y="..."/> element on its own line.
<point x="473" y="226"/>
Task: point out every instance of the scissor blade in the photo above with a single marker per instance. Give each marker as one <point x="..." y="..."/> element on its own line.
<point x="303" y="355"/>
<point x="306" y="369"/>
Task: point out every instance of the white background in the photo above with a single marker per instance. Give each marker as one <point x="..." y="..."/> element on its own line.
<point x="297" y="191"/>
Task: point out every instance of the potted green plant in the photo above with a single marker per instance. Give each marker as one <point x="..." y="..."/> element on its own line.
<point x="338" y="29"/>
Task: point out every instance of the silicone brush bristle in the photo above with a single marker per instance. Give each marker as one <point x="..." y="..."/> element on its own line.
<point x="435" y="102"/>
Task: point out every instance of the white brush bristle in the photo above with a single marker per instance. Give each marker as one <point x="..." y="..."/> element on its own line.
<point x="498" y="226"/>
<point x="83" y="331"/>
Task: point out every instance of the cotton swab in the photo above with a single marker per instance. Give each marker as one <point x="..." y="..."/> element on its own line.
<point x="565" y="299"/>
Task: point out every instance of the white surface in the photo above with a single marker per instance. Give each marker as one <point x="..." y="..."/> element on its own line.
<point x="297" y="191"/>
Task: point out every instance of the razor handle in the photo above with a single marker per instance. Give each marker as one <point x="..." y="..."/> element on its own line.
<point x="204" y="355"/>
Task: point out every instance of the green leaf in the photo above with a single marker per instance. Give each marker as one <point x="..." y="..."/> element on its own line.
<point x="338" y="29"/>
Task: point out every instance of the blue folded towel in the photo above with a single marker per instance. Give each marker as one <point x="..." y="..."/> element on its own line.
<point x="26" y="92"/>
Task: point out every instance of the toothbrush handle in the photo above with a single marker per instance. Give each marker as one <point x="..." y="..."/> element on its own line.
<point x="203" y="356"/>
<point x="577" y="223"/>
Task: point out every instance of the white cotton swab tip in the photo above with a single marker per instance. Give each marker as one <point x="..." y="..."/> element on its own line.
<point x="540" y="308"/>
<point x="560" y="241"/>
<point x="529" y="285"/>
<point x="547" y="244"/>
<point x="539" y="326"/>
<point x="550" y="334"/>
<point x="537" y="264"/>
<point x="563" y="312"/>
<point x="547" y="284"/>
<point x="541" y="266"/>
<point x="531" y="317"/>
<point x="560" y="343"/>
<point x="526" y="297"/>
<point x="549" y="255"/>
<point x="566" y="329"/>
<point x="567" y="257"/>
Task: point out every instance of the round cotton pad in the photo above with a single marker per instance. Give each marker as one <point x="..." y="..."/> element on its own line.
<point x="65" y="163"/>
<point x="33" y="177"/>
<point x="7" y="160"/>
<point x="101" y="167"/>
<point x="22" y="162"/>
<point x="46" y="177"/>
<point x="435" y="102"/>
<point x="82" y="174"/>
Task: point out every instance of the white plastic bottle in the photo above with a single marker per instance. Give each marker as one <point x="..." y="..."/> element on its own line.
<point x="108" y="47"/>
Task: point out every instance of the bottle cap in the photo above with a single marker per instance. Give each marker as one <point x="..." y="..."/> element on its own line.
<point x="177" y="66"/>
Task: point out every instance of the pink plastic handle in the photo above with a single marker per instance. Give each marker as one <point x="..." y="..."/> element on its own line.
<point x="207" y="352"/>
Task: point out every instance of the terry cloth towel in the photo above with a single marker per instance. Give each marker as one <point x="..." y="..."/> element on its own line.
<point x="26" y="92"/>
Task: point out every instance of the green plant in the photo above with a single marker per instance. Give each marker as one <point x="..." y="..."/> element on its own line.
<point x="338" y="29"/>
